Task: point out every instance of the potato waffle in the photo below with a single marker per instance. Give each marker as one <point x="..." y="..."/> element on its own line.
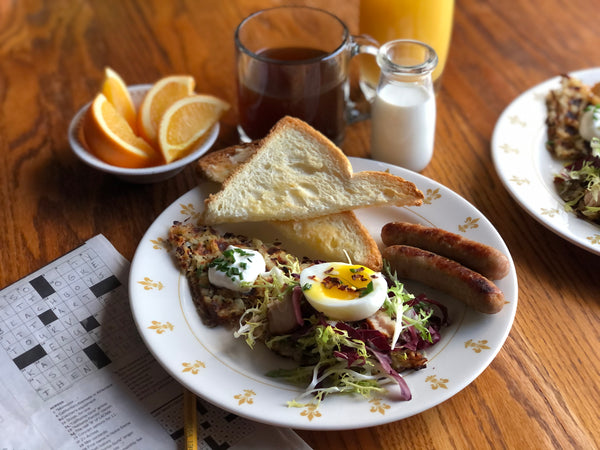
<point x="195" y="246"/>
<point x="565" y="106"/>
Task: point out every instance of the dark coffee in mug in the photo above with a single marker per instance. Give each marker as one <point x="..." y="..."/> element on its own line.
<point x="295" y="81"/>
<point x="293" y="61"/>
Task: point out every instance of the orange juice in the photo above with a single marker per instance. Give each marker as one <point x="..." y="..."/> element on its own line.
<point x="429" y="21"/>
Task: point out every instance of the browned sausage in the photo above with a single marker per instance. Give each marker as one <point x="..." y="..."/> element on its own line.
<point x="447" y="275"/>
<point x="486" y="260"/>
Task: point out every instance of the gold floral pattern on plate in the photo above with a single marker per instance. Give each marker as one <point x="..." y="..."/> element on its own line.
<point x="194" y="367"/>
<point x="189" y="210"/>
<point x="378" y="406"/>
<point x="159" y="243"/>
<point x="508" y="149"/>
<point x="470" y="223"/>
<point x="310" y="412"/>
<point x="247" y="397"/>
<point x="595" y="239"/>
<point x="519" y="181"/>
<point x="160" y="327"/>
<point x="550" y="212"/>
<point x="478" y="346"/>
<point x="150" y="284"/>
<point x="516" y="120"/>
<point x="437" y="383"/>
<point x="431" y="195"/>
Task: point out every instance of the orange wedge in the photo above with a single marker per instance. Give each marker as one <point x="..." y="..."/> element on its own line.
<point x="161" y="95"/>
<point x="110" y="138"/>
<point x="186" y="122"/>
<point x="115" y="91"/>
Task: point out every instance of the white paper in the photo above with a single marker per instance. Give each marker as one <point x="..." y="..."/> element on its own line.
<point x="74" y="373"/>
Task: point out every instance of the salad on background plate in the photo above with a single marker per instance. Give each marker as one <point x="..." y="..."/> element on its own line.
<point x="578" y="184"/>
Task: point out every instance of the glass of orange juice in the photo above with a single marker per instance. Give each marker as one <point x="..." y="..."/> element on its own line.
<point x="428" y="21"/>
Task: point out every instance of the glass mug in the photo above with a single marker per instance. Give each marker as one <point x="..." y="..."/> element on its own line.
<point x="428" y="21"/>
<point x="294" y="60"/>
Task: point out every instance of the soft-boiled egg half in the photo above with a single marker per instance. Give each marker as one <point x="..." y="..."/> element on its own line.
<point x="236" y="269"/>
<point x="342" y="291"/>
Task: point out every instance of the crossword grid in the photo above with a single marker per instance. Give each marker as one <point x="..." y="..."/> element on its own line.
<point x="50" y="324"/>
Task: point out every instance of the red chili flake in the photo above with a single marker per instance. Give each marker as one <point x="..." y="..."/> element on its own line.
<point x="334" y="282"/>
<point x="331" y="282"/>
<point x="358" y="276"/>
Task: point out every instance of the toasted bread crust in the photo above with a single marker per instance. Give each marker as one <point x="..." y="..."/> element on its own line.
<point x="218" y="165"/>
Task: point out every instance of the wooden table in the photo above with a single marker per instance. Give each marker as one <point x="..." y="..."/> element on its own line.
<point x="543" y="388"/>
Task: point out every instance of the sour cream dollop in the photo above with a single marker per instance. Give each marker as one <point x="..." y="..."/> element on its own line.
<point x="589" y="125"/>
<point x="236" y="269"/>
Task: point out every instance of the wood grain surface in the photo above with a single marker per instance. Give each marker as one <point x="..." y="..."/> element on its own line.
<point x="543" y="388"/>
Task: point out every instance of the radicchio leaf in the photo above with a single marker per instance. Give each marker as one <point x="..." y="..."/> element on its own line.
<point x="373" y="338"/>
<point x="385" y="362"/>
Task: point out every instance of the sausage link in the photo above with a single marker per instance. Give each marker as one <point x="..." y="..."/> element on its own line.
<point x="447" y="275"/>
<point x="486" y="260"/>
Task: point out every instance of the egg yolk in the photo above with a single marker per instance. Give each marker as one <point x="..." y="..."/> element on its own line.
<point x="345" y="282"/>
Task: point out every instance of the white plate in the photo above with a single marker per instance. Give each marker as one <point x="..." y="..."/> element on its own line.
<point x="527" y="168"/>
<point x="225" y="371"/>
<point x="139" y="175"/>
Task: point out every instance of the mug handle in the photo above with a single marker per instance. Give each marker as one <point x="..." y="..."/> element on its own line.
<point x="357" y="111"/>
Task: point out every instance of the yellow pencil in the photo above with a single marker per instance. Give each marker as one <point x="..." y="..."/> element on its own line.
<point x="190" y="428"/>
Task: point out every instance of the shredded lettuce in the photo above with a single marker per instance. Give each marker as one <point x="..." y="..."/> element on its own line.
<point x="343" y="366"/>
<point x="401" y="304"/>
<point x="578" y="184"/>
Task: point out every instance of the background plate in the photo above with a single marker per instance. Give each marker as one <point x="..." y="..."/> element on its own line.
<point x="527" y="168"/>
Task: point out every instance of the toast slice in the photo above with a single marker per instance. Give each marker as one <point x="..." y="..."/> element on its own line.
<point x="297" y="173"/>
<point x="333" y="237"/>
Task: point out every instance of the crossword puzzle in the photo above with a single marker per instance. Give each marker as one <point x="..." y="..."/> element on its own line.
<point x="72" y="318"/>
<point x="50" y="323"/>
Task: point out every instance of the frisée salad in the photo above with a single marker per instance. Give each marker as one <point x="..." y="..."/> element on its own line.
<point x="350" y="329"/>
<point x="578" y="184"/>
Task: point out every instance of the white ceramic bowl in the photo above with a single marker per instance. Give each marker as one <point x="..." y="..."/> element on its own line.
<point x="143" y="175"/>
